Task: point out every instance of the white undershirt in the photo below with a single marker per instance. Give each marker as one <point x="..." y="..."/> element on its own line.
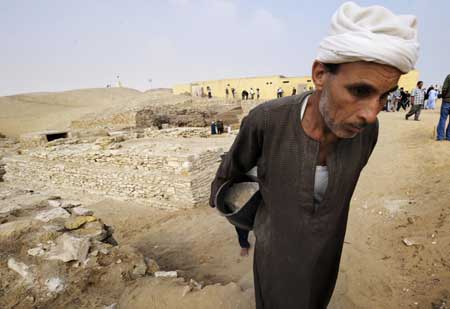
<point x="321" y="176"/>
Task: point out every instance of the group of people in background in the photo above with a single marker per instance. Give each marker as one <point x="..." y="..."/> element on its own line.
<point x="246" y="95"/>
<point x="421" y="98"/>
<point x="252" y="94"/>
<point x="217" y="127"/>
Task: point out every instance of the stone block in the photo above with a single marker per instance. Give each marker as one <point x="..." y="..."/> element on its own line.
<point x="48" y="215"/>
<point x="76" y="222"/>
<point x="69" y="248"/>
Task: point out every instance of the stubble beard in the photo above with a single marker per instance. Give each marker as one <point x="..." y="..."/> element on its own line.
<point x="327" y="112"/>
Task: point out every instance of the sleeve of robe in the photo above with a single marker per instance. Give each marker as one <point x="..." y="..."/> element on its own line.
<point x="244" y="153"/>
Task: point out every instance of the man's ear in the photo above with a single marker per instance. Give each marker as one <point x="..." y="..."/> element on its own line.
<point x="319" y="74"/>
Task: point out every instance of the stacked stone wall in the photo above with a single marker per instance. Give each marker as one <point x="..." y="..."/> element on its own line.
<point x="119" y="120"/>
<point x="161" y="180"/>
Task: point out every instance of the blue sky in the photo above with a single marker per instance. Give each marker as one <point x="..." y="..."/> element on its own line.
<point x="53" y="45"/>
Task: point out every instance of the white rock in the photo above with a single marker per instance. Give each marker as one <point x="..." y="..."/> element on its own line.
<point x="55" y="285"/>
<point x="54" y="203"/>
<point x="51" y="214"/>
<point x="70" y="204"/>
<point x="410" y="242"/>
<point x="22" y="269"/>
<point x="112" y="306"/>
<point x="166" y="274"/>
<point x="81" y="211"/>
<point x="69" y="248"/>
<point x="38" y="251"/>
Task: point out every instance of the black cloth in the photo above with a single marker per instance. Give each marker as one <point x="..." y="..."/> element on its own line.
<point x="243" y="237"/>
<point x="297" y="248"/>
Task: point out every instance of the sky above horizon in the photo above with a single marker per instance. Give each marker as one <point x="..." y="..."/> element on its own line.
<point x="51" y="45"/>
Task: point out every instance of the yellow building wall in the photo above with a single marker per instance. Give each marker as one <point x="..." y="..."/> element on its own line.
<point x="267" y="85"/>
<point x="182" y="89"/>
<point x="409" y="81"/>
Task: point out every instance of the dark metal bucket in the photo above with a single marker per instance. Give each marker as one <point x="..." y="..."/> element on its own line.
<point x="238" y="200"/>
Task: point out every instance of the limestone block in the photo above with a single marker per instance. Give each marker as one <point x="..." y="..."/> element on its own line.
<point x="166" y="274"/>
<point x="92" y="230"/>
<point x="22" y="269"/>
<point x="70" y="204"/>
<point x="81" y="211"/>
<point x="76" y="222"/>
<point x="69" y="248"/>
<point x="51" y="214"/>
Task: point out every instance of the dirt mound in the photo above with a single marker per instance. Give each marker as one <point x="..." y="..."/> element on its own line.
<point x="173" y="294"/>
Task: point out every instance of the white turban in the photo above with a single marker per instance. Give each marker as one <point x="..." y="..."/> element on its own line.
<point x="371" y="34"/>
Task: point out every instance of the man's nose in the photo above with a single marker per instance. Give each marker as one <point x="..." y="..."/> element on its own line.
<point x="370" y="112"/>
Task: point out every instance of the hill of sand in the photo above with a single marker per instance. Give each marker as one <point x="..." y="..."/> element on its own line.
<point x="54" y="111"/>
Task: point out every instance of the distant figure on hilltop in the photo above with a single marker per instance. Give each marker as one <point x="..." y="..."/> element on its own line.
<point x="227" y="92"/>
<point x="257" y="93"/>
<point x="233" y="92"/>
<point x="208" y="90"/>
<point x="279" y="92"/>
<point x="252" y="94"/>
<point x="445" y="112"/>
<point x="294" y="91"/>
<point x="244" y="94"/>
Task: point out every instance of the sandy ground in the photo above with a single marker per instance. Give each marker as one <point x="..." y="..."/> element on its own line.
<point x="402" y="193"/>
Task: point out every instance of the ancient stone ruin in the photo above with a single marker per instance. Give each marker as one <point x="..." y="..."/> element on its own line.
<point x="169" y="168"/>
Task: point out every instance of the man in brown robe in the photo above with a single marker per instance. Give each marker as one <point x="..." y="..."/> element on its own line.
<point x="309" y="151"/>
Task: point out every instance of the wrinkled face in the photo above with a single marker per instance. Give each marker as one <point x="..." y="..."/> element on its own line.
<point x="352" y="97"/>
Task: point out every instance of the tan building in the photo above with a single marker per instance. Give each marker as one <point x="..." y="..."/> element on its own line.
<point x="267" y="85"/>
<point x="409" y="81"/>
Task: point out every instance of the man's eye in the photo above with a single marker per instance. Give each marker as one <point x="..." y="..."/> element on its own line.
<point x="360" y="92"/>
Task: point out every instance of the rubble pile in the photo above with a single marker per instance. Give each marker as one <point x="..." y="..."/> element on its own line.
<point x="58" y="248"/>
<point x="156" y="117"/>
<point x="169" y="109"/>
